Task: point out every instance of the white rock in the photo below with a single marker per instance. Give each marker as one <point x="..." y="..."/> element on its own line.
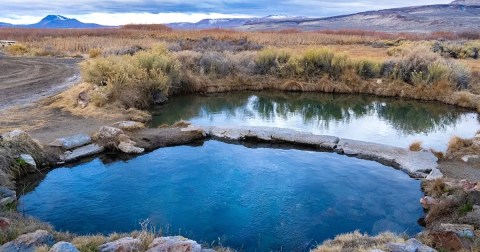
<point x="127" y="244"/>
<point x="29" y="161"/>
<point x="72" y="141"/>
<point x="63" y="247"/>
<point x="130" y="148"/>
<point x="434" y="175"/>
<point x="467" y="158"/>
<point x="174" y="243"/>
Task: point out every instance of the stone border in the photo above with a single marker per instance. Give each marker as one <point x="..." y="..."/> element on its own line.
<point x="422" y="164"/>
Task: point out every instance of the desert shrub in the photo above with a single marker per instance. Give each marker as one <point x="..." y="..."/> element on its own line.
<point x="317" y="62"/>
<point x="340" y="63"/>
<point x="435" y="188"/>
<point x="420" y="67"/>
<point x="367" y="68"/>
<point x="17" y="49"/>
<point x="457" y="49"/>
<point x="459" y="75"/>
<point x="215" y="63"/>
<point x="266" y="62"/>
<point x="415" y="146"/>
<point x="133" y="81"/>
<point x="94" y="52"/>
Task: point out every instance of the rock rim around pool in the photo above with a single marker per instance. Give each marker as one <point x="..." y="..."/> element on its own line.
<point x="416" y="164"/>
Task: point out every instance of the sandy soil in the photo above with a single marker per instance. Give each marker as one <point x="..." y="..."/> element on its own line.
<point x="25" y="80"/>
<point x="458" y="169"/>
<point x="26" y="84"/>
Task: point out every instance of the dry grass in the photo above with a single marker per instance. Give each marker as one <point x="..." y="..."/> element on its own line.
<point x="435" y="188"/>
<point x="458" y="147"/>
<point x="357" y="241"/>
<point x="416" y="146"/>
<point x="20" y="225"/>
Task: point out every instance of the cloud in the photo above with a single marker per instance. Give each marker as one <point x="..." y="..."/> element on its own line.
<point x="114" y="12"/>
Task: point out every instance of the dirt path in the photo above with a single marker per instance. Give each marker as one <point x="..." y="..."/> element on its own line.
<point x="26" y="80"/>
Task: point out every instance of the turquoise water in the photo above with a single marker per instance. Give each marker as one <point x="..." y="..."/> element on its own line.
<point x="383" y="120"/>
<point x="251" y="199"/>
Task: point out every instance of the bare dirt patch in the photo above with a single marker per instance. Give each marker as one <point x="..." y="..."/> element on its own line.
<point x="25" y="80"/>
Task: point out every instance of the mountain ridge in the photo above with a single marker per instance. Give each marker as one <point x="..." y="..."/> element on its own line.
<point x="56" y="22"/>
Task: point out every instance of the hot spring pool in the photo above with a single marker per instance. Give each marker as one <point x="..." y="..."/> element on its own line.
<point x="250" y="198"/>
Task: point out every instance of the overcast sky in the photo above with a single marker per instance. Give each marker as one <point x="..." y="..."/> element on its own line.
<point x="117" y="12"/>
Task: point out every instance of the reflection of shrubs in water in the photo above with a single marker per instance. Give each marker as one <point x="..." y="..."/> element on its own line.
<point x="406" y="116"/>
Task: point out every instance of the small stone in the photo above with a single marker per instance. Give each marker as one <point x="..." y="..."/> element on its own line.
<point x="4" y="223"/>
<point x="434" y="175"/>
<point x="107" y="132"/>
<point x="428" y="201"/>
<point x="29" y="242"/>
<point x="467" y="158"/>
<point x="126" y="244"/>
<point x="7" y="196"/>
<point x="174" y="243"/>
<point x="31" y="165"/>
<point x="63" y="247"/>
<point x="379" y="81"/>
<point x="129" y="148"/>
<point x="129" y="125"/>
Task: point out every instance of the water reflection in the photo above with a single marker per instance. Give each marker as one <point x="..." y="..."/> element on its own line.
<point x="362" y="117"/>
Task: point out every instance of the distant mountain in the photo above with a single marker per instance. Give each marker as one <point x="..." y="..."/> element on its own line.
<point x="460" y="15"/>
<point x="56" y="22"/>
<point x="227" y="23"/>
<point x="449" y="17"/>
<point x="5" y="24"/>
<point x="467" y="2"/>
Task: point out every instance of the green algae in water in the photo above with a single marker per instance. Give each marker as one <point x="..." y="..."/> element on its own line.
<point x="253" y="199"/>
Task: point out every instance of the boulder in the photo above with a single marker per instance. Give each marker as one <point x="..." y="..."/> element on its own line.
<point x="129" y="125"/>
<point x="159" y="98"/>
<point x="29" y="242"/>
<point x="7" y="196"/>
<point x="85" y="151"/>
<point x="16" y="135"/>
<point x="428" y="201"/>
<point x="446" y="240"/>
<point x="126" y="244"/>
<point x="63" y="247"/>
<point x="30" y="162"/>
<point x="4" y="223"/>
<point x="412" y="245"/>
<point x="174" y="244"/>
<point x="72" y="142"/>
<point x="107" y="132"/>
<point x="434" y="175"/>
<point x="130" y="148"/>
<point x="462" y="230"/>
<point x="474" y="197"/>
